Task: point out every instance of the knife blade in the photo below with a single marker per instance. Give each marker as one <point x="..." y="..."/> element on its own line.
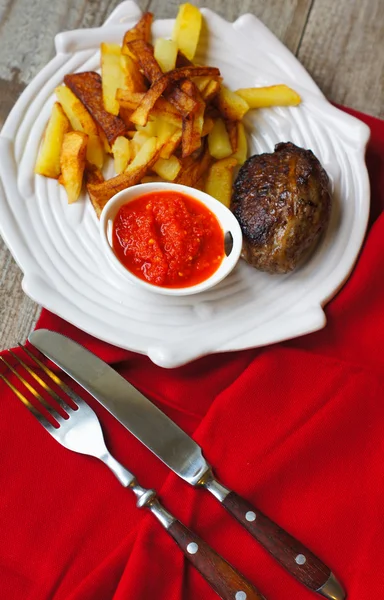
<point x="181" y="454"/>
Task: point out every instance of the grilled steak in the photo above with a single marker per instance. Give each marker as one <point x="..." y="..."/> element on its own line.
<point x="282" y="203"/>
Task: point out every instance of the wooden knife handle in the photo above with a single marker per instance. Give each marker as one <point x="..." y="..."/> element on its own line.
<point x="227" y="582"/>
<point x="289" y="552"/>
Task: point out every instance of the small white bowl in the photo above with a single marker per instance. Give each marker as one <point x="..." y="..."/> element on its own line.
<point x="225" y="217"/>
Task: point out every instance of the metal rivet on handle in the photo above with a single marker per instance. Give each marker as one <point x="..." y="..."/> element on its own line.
<point x="241" y="596"/>
<point x="250" y="516"/>
<point x="300" y="559"/>
<point x="192" y="548"/>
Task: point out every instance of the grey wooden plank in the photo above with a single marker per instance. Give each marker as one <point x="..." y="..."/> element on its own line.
<point x="343" y="49"/>
<point x="285" y="18"/>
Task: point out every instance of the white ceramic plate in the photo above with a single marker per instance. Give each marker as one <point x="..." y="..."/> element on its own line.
<point x="57" y="246"/>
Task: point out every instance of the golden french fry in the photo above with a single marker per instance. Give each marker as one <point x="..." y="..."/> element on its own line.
<point x="274" y="95"/>
<point x="72" y="163"/>
<point x="141" y="31"/>
<point x="151" y="179"/>
<point x="137" y="141"/>
<point x="207" y="126"/>
<point x="92" y="174"/>
<point x="173" y="142"/>
<point x="165" y="52"/>
<point x="48" y="159"/>
<point x="232" y="106"/>
<point x="133" y="79"/>
<point x="88" y="88"/>
<point x="231" y="127"/>
<point x="141" y="114"/>
<point x="241" y="153"/>
<point x="186" y="31"/>
<point x="168" y="169"/>
<point x="218" y="141"/>
<point x="211" y="91"/>
<point x="219" y="180"/>
<point x="194" y="168"/>
<point x="112" y="76"/>
<point x="148" y="64"/>
<point x="121" y="150"/>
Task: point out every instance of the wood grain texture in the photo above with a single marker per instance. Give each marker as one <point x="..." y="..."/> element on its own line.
<point x="340" y="43"/>
<point x="343" y="49"/>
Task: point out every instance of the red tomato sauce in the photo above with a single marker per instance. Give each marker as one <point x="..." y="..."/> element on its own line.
<point x="168" y="239"/>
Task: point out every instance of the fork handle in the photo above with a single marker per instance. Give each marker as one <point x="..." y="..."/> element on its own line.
<point x="227" y="582"/>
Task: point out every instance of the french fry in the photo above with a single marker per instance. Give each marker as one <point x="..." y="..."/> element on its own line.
<point x="112" y="76"/>
<point x="169" y="147"/>
<point x="211" y="91"/>
<point x="81" y="120"/>
<point x="201" y="83"/>
<point x="165" y="52"/>
<point x="151" y="179"/>
<point x="231" y="127"/>
<point x="141" y="114"/>
<point x="121" y="150"/>
<point x="232" y="106"/>
<point x="87" y="87"/>
<point x="242" y="145"/>
<point x="141" y="31"/>
<point x="136" y="170"/>
<point x="168" y="169"/>
<point x="192" y="124"/>
<point x="138" y="141"/>
<point x="125" y="115"/>
<point x="92" y="174"/>
<point x="274" y="95"/>
<point x="219" y="180"/>
<point x="133" y="79"/>
<point x="72" y="163"/>
<point x="218" y="141"/>
<point x="186" y="31"/>
<point x="183" y="103"/>
<point x="182" y="61"/>
<point x="194" y="168"/>
<point x="48" y="160"/>
<point x="143" y="53"/>
<point x="208" y="125"/>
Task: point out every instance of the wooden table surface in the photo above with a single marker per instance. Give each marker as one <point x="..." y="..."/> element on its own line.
<point x="340" y="43"/>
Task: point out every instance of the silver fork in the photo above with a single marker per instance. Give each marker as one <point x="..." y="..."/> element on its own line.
<point x="80" y="431"/>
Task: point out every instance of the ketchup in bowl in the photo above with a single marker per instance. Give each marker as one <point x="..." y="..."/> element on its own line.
<point x="168" y="239"/>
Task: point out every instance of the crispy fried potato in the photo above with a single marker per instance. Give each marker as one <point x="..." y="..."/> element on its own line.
<point x="242" y="145"/>
<point x="219" y="180"/>
<point x="141" y="114"/>
<point x="211" y="91"/>
<point x="192" y="124"/>
<point x="232" y="106"/>
<point x="194" y="168"/>
<point x="141" y="31"/>
<point x="182" y="61"/>
<point x="231" y="127"/>
<point x="183" y="103"/>
<point x="133" y="79"/>
<point x="75" y="110"/>
<point x="87" y="87"/>
<point x="151" y="179"/>
<point x="148" y="64"/>
<point x="138" y="141"/>
<point x="186" y="31"/>
<point x="162" y="109"/>
<point x="274" y="95"/>
<point x="218" y="141"/>
<point x="72" y="163"/>
<point x="112" y="76"/>
<point x="168" y="147"/>
<point x="208" y="125"/>
<point x="121" y="150"/>
<point x="168" y="169"/>
<point x="95" y="151"/>
<point x="92" y="174"/>
<point x="165" y="52"/>
<point x="125" y="114"/>
<point x="201" y="83"/>
<point x="136" y="170"/>
<point x="48" y="160"/>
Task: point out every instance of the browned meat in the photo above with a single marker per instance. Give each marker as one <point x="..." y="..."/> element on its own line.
<point x="282" y="203"/>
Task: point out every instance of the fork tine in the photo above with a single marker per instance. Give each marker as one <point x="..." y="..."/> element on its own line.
<point x="43" y="384"/>
<point x="27" y="403"/>
<point x="36" y="394"/>
<point x="53" y="376"/>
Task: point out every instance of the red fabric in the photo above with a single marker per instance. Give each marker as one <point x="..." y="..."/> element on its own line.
<point x="296" y="428"/>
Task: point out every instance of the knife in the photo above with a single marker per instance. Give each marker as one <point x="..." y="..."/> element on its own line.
<point x="181" y="454"/>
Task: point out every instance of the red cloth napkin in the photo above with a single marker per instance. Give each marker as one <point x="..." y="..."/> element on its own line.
<point x="296" y="428"/>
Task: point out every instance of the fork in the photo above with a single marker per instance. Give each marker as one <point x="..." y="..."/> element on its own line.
<point x="78" y="428"/>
